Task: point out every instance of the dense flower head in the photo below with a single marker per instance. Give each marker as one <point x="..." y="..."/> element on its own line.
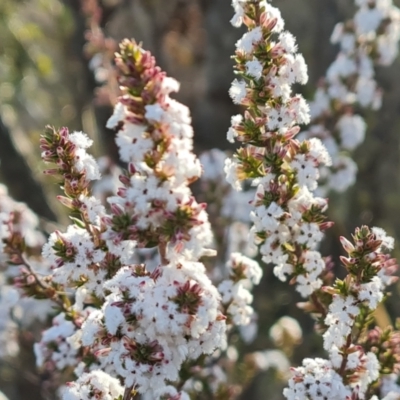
<point x="288" y="219"/>
<point x="358" y="362"/>
<point x="68" y="152"/>
<point x="76" y="260"/>
<point x="154" y="136"/>
<point x="19" y="227"/>
<point x="150" y="323"/>
<point x="54" y="351"/>
<point x="133" y="324"/>
<point x="95" y="385"/>
<point x="362" y="290"/>
<point x="321" y="379"/>
<point x="20" y="243"/>
<point x="236" y="297"/>
<point x="316" y="379"/>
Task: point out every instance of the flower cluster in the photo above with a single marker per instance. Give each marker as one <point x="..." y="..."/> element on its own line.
<point x="355" y="363"/>
<point x="151" y="323"/>
<point x="79" y="257"/>
<point x="53" y="351"/>
<point x="243" y="274"/>
<point x="20" y="243"/>
<point x="136" y="323"/>
<point x="368" y="40"/>
<point x="68" y="152"/>
<point x="288" y="220"/>
<point x="94" y="385"/>
<point x="155" y="138"/>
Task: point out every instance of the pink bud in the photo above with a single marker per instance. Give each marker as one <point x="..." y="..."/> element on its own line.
<point x="124" y="179"/>
<point x="131" y="168"/>
<point x="117" y="209"/>
<point x="121" y="192"/>
<point x="51" y="172"/>
<point x="347" y="245"/>
<point x="65" y="201"/>
<point x="326" y="225"/>
<point x="348" y="262"/>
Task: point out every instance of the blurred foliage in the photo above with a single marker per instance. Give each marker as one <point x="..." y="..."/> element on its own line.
<point x="35" y="65"/>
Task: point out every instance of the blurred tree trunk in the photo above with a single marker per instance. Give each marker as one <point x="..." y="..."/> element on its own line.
<point x="18" y="177"/>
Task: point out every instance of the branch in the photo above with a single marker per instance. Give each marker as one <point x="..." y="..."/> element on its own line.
<point x="56" y="297"/>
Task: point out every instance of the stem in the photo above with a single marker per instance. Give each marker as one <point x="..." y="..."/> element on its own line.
<point x="162" y="250"/>
<point x="128" y="395"/>
<point x="344" y="361"/>
<point x="320" y="308"/>
<point x="55" y="297"/>
<point x="42" y="285"/>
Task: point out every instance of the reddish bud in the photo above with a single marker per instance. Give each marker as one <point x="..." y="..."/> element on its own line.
<point x="347" y="245"/>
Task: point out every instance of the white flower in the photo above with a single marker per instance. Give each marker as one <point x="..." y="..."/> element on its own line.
<point x="288" y="42"/>
<point x="282" y="270"/>
<point x="371" y="292"/>
<point x="319" y="152"/>
<point x="249" y="39"/>
<point x="300" y="69"/>
<point x="53" y="347"/>
<point x="133" y="143"/>
<point x="387" y="241"/>
<point x="237" y="19"/>
<point x="344" y="175"/>
<point x="343" y="66"/>
<point x="254" y="68"/>
<point x="274" y="13"/>
<point x="307" y="284"/>
<point x="367" y="20"/>
<point x="235" y="120"/>
<point x="247" y="267"/>
<point x="231" y="171"/>
<point x="119" y="115"/>
<point x="341" y="316"/>
<point x="316" y="379"/>
<point x="310" y="235"/>
<point x="85" y="163"/>
<point x="154" y="112"/>
<point x="238" y="91"/>
<point x="80" y="140"/>
<point x="95" y="384"/>
<point x="352" y="130"/>
<point x="169" y="85"/>
<point x="307" y="172"/>
<point x="367" y="92"/>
